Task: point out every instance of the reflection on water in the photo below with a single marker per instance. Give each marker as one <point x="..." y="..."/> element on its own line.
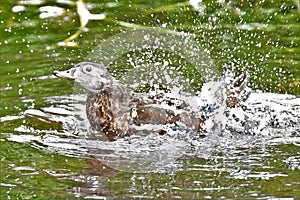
<point x="267" y="121"/>
<point x="49" y="151"/>
<point x="235" y="153"/>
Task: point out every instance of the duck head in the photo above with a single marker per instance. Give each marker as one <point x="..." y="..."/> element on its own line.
<point x="91" y="76"/>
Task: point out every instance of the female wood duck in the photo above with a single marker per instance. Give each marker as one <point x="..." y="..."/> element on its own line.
<point x="117" y="111"/>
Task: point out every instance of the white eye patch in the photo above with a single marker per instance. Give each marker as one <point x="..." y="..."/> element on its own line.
<point x="88" y="68"/>
<point x="93" y="70"/>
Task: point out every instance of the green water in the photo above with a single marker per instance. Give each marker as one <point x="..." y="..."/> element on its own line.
<point x="262" y="37"/>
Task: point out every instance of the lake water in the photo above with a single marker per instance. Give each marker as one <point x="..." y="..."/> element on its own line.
<point x="48" y="150"/>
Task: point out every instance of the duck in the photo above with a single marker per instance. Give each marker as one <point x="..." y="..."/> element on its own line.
<point x="115" y="110"/>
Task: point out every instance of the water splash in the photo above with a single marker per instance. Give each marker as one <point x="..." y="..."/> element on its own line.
<point x="269" y="119"/>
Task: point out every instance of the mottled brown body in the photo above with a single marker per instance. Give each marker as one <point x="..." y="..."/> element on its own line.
<point x="116" y="111"/>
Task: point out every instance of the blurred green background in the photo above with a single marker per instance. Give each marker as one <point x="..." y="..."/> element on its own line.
<point x="260" y="36"/>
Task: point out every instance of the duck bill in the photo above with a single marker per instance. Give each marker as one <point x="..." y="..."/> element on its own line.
<point x="68" y="74"/>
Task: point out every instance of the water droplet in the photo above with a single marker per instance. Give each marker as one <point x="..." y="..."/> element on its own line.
<point x="18" y="8"/>
<point x="20" y="91"/>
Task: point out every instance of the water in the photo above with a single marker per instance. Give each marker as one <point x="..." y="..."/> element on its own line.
<point x="49" y="152"/>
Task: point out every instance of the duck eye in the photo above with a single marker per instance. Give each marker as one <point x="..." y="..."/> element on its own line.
<point x="88" y="68"/>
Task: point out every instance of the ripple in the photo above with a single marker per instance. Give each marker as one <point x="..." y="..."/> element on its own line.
<point x="274" y="120"/>
<point x="10" y="118"/>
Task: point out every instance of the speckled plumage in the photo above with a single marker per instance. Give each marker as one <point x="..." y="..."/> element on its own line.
<point x="108" y="110"/>
<point x="116" y="111"/>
